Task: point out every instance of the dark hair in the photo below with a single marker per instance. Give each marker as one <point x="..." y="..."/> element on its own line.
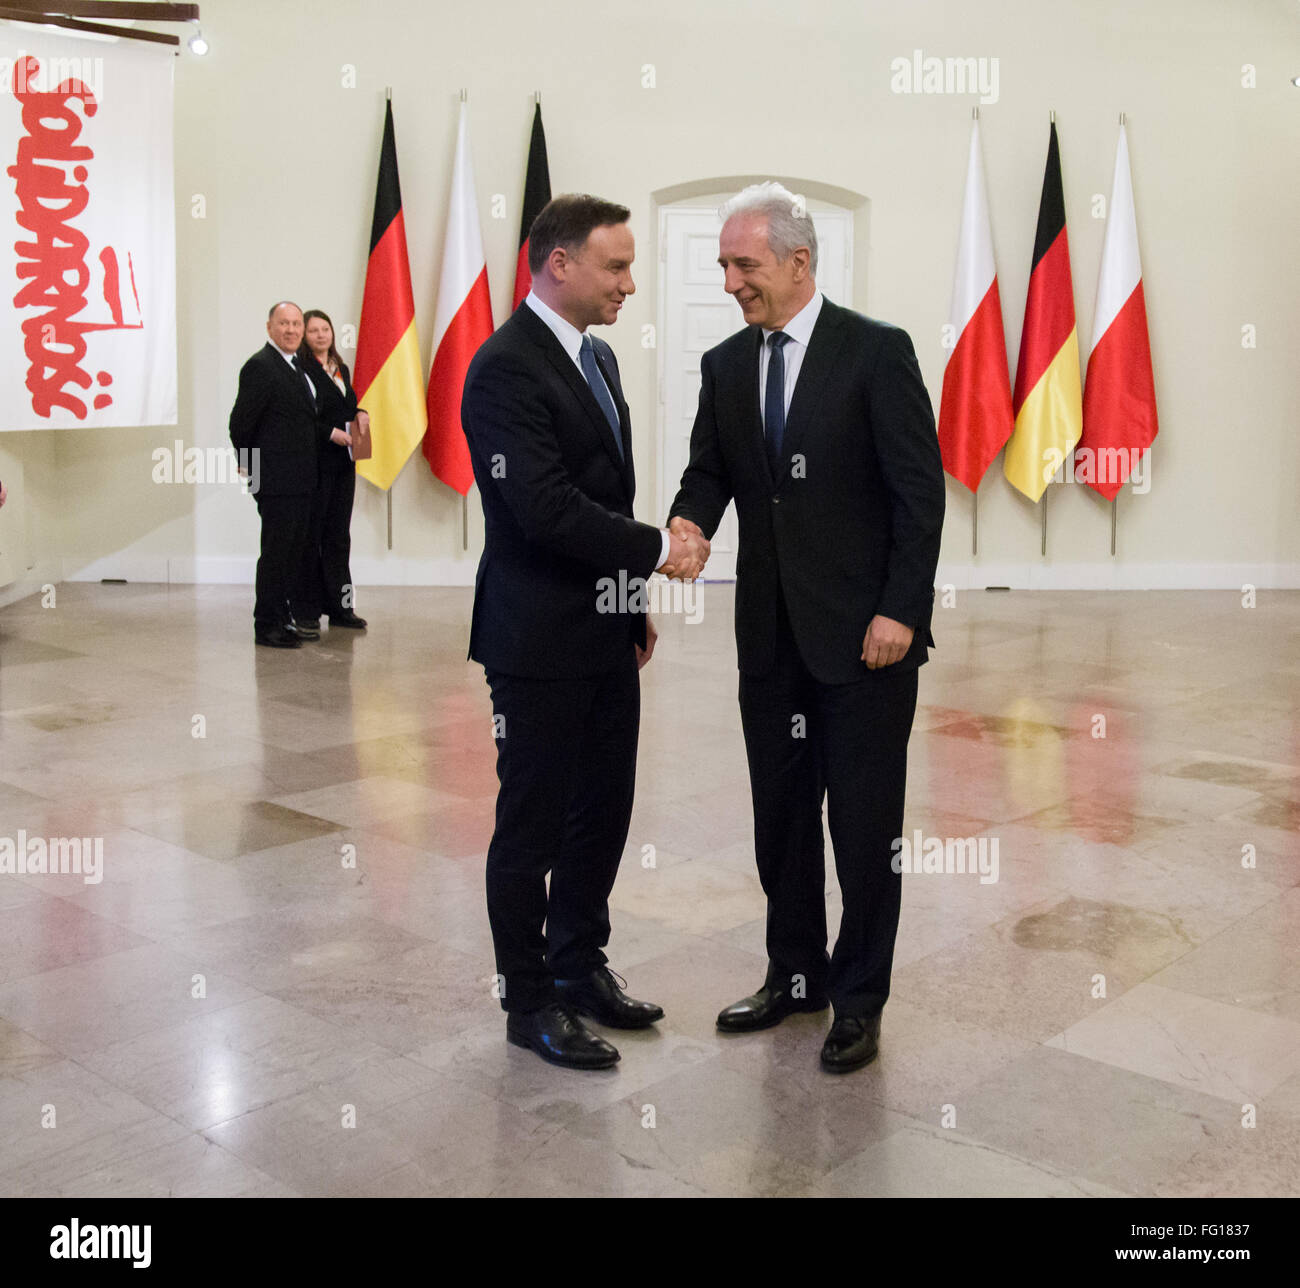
<point x="277" y="305"/>
<point x="567" y="221"/>
<point x="306" y="349"/>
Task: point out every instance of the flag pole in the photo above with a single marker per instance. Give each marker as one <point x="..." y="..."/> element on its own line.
<point x="464" y="500"/>
<point x="975" y="496"/>
<point x="1051" y="117"/>
<point x="388" y="492"/>
<point x="1114" y="501"/>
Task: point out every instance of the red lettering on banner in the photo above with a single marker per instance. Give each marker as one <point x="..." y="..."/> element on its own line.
<point x="53" y="266"/>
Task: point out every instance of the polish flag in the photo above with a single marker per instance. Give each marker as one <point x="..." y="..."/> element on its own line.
<point x="462" y="321"/>
<point x="975" y="416"/>
<point x="1119" y="396"/>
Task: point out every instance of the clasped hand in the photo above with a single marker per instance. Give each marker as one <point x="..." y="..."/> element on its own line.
<point x="688" y="550"/>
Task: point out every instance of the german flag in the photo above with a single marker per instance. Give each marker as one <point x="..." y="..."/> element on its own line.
<point x="1047" y="399"/>
<point x="537" y="192"/>
<point x="388" y="377"/>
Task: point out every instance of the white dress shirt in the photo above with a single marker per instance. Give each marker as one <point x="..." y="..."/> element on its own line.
<point x="570" y="339"/>
<point x="799" y="329"/>
<point x="566" y="333"/>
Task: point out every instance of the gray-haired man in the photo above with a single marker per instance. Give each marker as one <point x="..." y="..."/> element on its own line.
<point x="815" y="420"/>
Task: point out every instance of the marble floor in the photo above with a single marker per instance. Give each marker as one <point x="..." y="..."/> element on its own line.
<point x="279" y="984"/>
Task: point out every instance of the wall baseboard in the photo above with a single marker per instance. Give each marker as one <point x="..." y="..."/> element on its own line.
<point x="240" y="570"/>
<point x="48" y="572"/>
<point x="369" y="571"/>
<point x="1120" y="576"/>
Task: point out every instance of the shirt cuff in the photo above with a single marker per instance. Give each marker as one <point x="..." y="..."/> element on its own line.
<point x="664" y="547"/>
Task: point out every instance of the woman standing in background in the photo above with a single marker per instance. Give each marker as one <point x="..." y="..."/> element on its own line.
<point x="326" y="581"/>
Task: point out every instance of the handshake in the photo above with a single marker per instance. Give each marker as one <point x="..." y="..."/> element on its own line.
<point x="688" y="550"/>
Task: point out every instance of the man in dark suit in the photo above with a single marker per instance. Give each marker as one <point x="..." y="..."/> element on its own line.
<point x="816" y="421"/>
<point x="276" y="416"/>
<point x="560" y="628"/>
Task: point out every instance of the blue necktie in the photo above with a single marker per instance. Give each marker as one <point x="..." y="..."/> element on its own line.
<point x="774" y="401"/>
<point x="595" y="380"/>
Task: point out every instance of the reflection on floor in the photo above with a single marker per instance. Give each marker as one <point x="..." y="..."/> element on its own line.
<point x="280" y="982"/>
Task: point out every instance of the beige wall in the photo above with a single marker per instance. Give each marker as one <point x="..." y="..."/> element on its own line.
<point x="285" y="158"/>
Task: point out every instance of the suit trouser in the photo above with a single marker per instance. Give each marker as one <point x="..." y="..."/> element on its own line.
<point x="326" y="578"/>
<point x="849" y="748"/>
<point x="566" y="760"/>
<point x="285" y="524"/>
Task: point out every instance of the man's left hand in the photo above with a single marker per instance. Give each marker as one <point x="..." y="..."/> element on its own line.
<point x="885" y="642"/>
<point x="643" y="655"/>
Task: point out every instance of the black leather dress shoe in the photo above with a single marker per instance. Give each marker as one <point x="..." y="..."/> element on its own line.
<point x="276" y="637"/>
<point x="557" y="1035"/>
<point x="308" y="623"/>
<point x="303" y="631"/>
<point x="851" y="1043"/>
<point x="600" y="997"/>
<point x="769" y="1006"/>
<point x="350" y="620"/>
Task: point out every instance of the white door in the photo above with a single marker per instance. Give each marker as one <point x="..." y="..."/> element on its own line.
<point x="695" y="313"/>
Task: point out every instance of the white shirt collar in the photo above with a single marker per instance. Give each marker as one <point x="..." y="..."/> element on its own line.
<point x="288" y="357"/>
<point x="565" y="332"/>
<point x="800" y="327"/>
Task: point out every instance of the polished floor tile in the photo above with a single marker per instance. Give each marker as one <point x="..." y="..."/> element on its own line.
<point x="281" y="983"/>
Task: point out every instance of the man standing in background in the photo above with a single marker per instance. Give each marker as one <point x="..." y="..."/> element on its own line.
<point x="275" y="415"/>
<point x="550" y="439"/>
<point x="816" y="421"/>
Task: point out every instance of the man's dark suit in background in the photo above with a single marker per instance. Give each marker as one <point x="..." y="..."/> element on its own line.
<point x="275" y="415"/>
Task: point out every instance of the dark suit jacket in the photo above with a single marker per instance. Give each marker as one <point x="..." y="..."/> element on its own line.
<point x="557" y="505"/>
<point x="851" y="527"/>
<point x="275" y="414"/>
<point x="336" y="409"/>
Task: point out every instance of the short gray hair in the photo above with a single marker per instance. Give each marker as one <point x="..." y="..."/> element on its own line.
<point x="789" y="225"/>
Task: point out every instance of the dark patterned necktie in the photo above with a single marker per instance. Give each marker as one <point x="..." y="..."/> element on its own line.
<point x="774" y="402"/>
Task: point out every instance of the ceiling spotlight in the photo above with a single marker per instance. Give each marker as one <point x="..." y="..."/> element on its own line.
<point x="196" y="42"/>
<point x="1295" y="80"/>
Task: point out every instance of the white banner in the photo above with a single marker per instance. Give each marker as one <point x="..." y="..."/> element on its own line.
<point x="87" y="238"/>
